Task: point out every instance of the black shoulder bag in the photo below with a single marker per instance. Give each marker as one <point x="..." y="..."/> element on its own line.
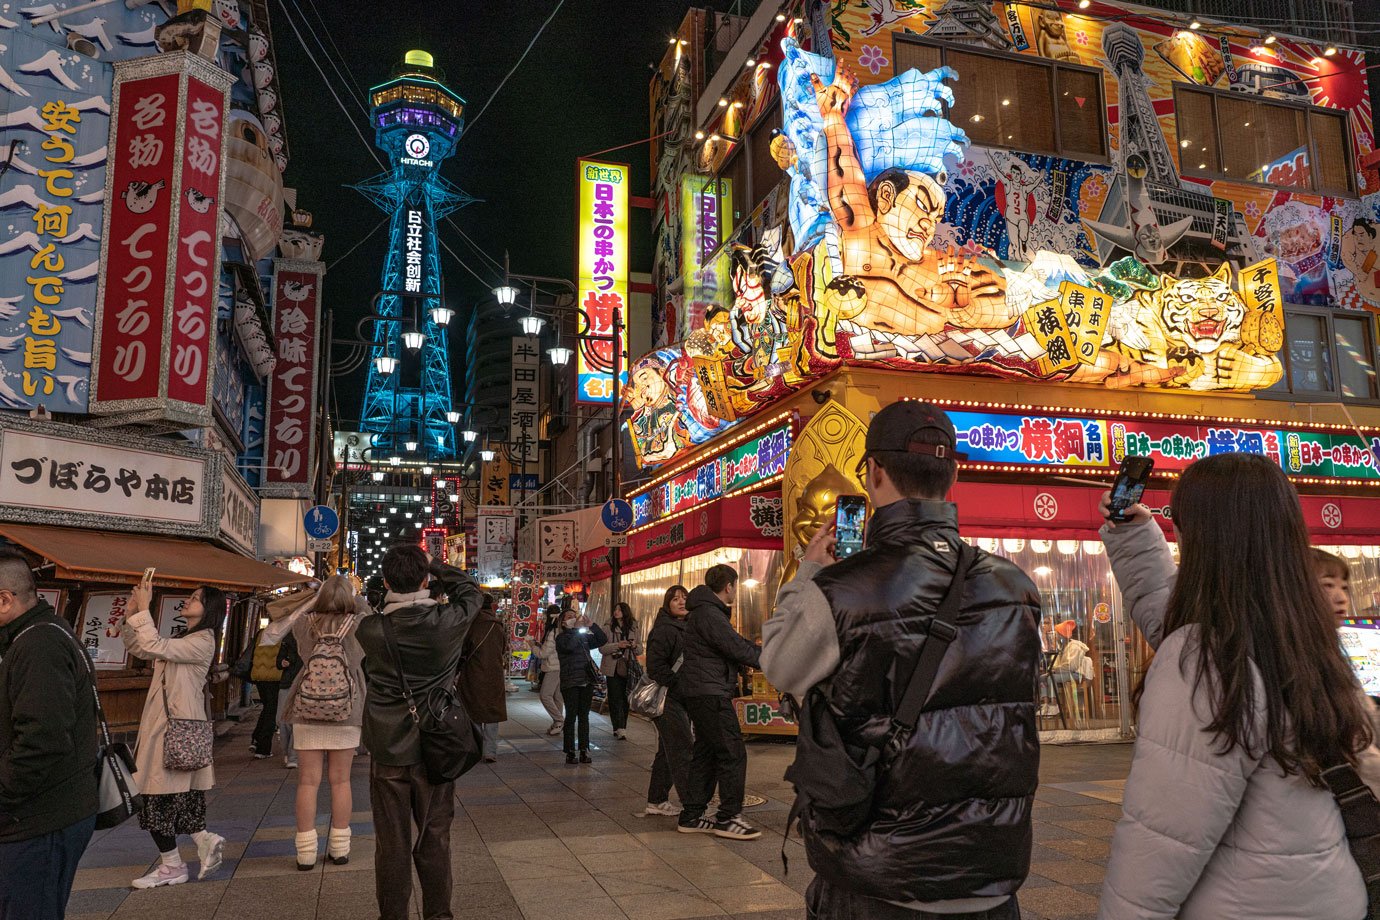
<point x="836" y="781"/>
<point x="451" y="742"/>
<point x="1361" y="817"/>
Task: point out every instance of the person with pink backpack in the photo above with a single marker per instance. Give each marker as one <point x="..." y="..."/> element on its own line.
<point x="326" y="709"/>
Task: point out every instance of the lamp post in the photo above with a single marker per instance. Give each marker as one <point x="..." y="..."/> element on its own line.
<point x="507" y="296"/>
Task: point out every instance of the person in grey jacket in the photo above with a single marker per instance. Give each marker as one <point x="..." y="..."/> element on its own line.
<point x="708" y="681"/>
<point x="1224" y="813"/>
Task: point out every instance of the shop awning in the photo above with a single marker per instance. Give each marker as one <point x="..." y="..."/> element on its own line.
<point x="98" y="555"/>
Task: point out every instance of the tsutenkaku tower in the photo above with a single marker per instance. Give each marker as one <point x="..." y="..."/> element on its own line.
<point x="417" y="121"/>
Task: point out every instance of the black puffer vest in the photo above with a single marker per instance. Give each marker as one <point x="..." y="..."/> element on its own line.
<point x="952" y="813"/>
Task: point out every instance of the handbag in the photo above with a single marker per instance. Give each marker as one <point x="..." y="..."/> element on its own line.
<point x="648" y="698"/>
<point x="451" y="742"/>
<point x="116" y="788"/>
<point x="1361" y="818"/>
<point x="187" y="742"/>
<point x="244" y="664"/>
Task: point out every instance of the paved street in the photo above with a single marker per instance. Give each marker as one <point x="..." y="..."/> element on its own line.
<point x="535" y="839"/>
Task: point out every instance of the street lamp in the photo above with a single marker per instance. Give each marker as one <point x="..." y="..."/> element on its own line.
<point x="531" y="324"/>
<point x="453" y="417"/>
<point x="442" y="316"/>
<point x="507" y="294"/>
<point x="411" y="446"/>
<point x="559" y="356"/>
<point x="487" y="455"/>
<point x="470" y="435"/>
<point x="385" y="364"/>
<point x="413" y="339"/>
<point x="378" y="475"/>
<point x="426" y="471"/>
<point x="394" y="461"/>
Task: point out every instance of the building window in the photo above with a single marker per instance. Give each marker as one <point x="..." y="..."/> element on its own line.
<point x="1271" y="143"/>
<point x="1328" y="355"/>
<point x="1017" y="101"/>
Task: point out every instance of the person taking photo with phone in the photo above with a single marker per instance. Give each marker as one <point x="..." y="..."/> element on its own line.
<point x="1249" y="698"/>
<point x="624" y="646"/>
<point x="576" y="637"/>
<point x="948" y="829"/>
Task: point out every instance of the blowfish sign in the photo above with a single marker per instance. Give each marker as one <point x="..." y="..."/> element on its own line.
<point x="603" y="270"/>
<point x="290" y="436"/>
<point x="160" y="249"/>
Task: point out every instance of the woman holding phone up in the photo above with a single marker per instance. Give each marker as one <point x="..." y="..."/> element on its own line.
<point x="623" y="646"/>
<point x="1248" y="700"/>
<point x="174" y="800"/>
<point x="578" y="634"/>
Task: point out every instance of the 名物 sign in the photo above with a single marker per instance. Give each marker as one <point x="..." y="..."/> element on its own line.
<point x="741" y="467"/>
<point x="290" y="432"/>
<point x="160" y="246"/>
<point x="602" y="262"/>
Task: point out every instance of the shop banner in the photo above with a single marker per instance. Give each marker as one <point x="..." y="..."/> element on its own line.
<point x="434" y="543"/>
<point x="522" y="409"/>
<point x="100" y="633"/>
<point x="290" y="433"/>
<point x="741" y="467"/>
<point x="524" y="618"/>
<point x="495" y="482"/>
<point x="602" y="261"/>
<point x="160" y="246"/>
<point x="558" y="549"/>
<point x="172" y="619"/>
<point x="239" y="514"/>
<point x="495" y="550"/>
<point x="92" y="482"/>
<point x="985" y="437"/>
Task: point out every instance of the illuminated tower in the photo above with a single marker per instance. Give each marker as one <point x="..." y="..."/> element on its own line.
<point x="417" y="122"/>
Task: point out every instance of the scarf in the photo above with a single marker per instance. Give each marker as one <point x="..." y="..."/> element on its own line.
<point x="393" y="601"/>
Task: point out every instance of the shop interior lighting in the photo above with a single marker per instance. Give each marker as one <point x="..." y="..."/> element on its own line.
<point x="1067" y="547"/>
<point x="1084" y="4"/>
<point x="699" y="135"/>
<point x="440" y="520"/>
<point x="1195" y="25"/>
<point x="532" y="325"/>
<point x="1093" y="547"/>
<point x="1271" y="39"/>
<point x="1351" y="552"/>
<point x="418" y="525"/>
<point x="1041" y="546"/>
<point x="408" y="515"/>
<point x="723" y="102"/>
<point x="442" y="316"/>
<point x="1013" y="546"/>
<point x="1330" y="51"/>
<point x="373" y="530"/>
<point x="1371" y="552"/>
<point x="412" y="339"/>
<point x="1043" y="571"/>
<point x="385" y="364"/>
<point x="383" y="520"/>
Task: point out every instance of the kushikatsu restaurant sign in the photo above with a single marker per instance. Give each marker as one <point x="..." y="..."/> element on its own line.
<point x="741" y="467"/>
<point x="1102" y="443"/>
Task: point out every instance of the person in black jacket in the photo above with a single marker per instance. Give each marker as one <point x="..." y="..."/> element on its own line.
<point x="950" y="827"/>
<point x="430" y="637"/>
<point x="665" y="648"/>
<point x="48" y="796"/>
<point x="290" y="663"/>
<point x="573" y="643"/>
<point x="708" y="681"/>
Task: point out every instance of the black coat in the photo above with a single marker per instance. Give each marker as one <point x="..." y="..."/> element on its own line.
<point x="572" y="647"/>
<point x="714" y="652"/>
<point x="430" y="640"/>
<point x="48" y="729"/>
<point x="952" y="813"/>
<point x="289" y="660"/>
<point x="666" y="643"/>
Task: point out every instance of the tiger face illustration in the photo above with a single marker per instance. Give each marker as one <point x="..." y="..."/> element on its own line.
<point x="1202" y="315"/>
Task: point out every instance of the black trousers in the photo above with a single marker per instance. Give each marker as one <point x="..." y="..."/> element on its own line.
<point x="618" y="701"/>
<point x="672" y="763"/>
<point x="401" y="796"/>
<point x="36" y="874"/>
<point x="577" y="703"/>
<point x="719" y="758"/>
<point x="268" y="717"/>
<point x="824" y="901"/>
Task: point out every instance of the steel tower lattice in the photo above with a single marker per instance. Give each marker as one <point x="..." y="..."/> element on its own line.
<point x="417" y="121"/>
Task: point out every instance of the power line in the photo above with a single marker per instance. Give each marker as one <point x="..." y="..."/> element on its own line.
<point x="359" y="89"/>
<point x="504" y="81"/>
<point x="364" y="239"/>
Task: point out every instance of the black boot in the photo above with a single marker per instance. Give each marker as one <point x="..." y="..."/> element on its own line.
<point x="584" y="757"/>
<point x="569" y="756"/>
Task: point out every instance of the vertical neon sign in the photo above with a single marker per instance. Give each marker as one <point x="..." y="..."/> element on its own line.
<point x="603" y="273"/>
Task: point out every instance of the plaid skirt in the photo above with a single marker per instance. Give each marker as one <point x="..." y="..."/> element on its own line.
<point x="174" y="814"/>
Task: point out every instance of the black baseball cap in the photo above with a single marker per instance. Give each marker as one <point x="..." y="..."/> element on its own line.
<point x="895" y="427"/>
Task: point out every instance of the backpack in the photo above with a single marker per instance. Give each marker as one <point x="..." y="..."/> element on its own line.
<point x="326" y="692"/>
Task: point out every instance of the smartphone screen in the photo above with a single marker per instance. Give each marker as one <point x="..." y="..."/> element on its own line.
<point x="148" y="575"/>
<point x="1129" y="485"/>
<point x="850" y="515"/>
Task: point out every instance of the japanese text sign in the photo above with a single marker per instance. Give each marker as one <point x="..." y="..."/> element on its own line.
<point x="603" y="274"/>
<point x="290" y="435"/>
<point x="741" y="467"/>
<point x="522" y="411"/>
<point x="1042" y="441"/>
<point x="495" y="555"/>
<point x="160" y="249"/>
<point x="101" y="616"/>
<point x="172" y="618"/>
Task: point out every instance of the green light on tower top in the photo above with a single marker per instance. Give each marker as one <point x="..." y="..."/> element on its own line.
<point x="417" y="58"/>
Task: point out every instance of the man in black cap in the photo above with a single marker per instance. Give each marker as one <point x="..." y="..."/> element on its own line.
<point x="949" y="830"/>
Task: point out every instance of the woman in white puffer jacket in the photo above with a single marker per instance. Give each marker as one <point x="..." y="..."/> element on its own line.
<point x="1248" y="698"/>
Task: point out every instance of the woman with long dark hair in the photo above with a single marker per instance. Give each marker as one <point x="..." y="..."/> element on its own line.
<point x="1247" y="701"/>
<point x="175" y="800"/>
<point x="624" y="646"/>
<point x="544" y="647"/>
<point x="577" y="635"/>
<point x="665" y="651"/>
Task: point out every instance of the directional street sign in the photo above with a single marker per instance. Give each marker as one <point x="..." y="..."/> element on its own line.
<point x="321" y="522"/>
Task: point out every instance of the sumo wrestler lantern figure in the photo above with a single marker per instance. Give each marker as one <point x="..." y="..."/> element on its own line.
<point x="885" y="230"/>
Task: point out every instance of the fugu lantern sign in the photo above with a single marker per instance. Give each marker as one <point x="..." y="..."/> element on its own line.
<point x="290" y="435"/>
<point x="160" y="249"/>
<point x="603" y="274"/>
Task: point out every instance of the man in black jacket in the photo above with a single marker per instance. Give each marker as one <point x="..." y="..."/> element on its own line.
<point x="48" y="796"/>
<point x="708" y="681"/>
<point x="430" y="640"/>
<point x="949" y="832"/>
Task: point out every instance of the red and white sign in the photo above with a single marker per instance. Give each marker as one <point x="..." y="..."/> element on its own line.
<point x="160" y="245"/>
<point x="289" y="435"/>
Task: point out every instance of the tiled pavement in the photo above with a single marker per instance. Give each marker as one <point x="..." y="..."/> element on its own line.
<point x="535" y="839"/>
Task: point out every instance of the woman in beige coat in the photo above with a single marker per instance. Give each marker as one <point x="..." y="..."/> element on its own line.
<point x="174" y="801"/>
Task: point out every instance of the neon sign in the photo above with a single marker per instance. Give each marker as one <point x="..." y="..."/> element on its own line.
<point x="742" y="467"/>
<point x="603" y="271"/>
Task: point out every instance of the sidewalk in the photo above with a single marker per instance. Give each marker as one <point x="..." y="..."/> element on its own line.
<point x="535" y="839"/>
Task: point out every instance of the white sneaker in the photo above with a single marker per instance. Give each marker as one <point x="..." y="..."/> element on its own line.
<point x="669" y="809"/>
<point x="736" y="829"/>
<point x="620" y="734"/>
<point x="209" y="850"/>
<point x="163" y="875"/>
<point x="556" y="728"/>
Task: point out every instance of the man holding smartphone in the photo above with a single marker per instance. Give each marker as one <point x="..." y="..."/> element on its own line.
<point x="949" y="831"/>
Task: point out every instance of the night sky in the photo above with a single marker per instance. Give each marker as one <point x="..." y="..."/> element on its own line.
<point x="583" y="88"/>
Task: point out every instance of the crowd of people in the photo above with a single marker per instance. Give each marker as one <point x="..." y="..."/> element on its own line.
<point x="912" y="668"/>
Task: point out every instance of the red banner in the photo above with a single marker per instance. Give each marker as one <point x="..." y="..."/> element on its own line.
<point x="290" y="434"/>
<point x="160" y="245"/>
<point x="197" y="272"/>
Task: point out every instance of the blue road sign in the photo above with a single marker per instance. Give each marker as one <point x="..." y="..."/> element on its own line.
<point x="617" y="515"/>
<point x="321" y="522"/>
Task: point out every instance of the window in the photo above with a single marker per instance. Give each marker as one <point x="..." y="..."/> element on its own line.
<point x="1328" y="355"/>
<point x="1016" y="101"/>
<point x="1271" y="143"/>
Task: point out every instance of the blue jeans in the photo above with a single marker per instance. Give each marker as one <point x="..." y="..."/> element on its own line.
<point x="36" y="874"/>
<point x="490" y="732"/>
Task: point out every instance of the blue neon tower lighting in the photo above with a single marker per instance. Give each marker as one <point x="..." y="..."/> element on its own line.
<point x="417" y="122"/>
